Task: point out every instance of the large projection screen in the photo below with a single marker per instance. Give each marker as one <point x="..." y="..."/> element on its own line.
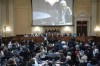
<point x="52" y="12"/>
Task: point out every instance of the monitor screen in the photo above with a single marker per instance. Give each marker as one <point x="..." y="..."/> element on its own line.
<point x="52" y="12"/>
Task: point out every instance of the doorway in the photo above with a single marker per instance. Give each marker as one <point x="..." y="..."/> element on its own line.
<point x="82" y="28"/>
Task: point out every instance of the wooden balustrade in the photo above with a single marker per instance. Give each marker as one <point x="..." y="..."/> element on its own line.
<point x="39" y="39"/>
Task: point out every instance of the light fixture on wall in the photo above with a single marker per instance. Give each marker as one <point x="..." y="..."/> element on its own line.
<point x="67" y="29"/>
<point x="97" y="30"/>
<point x="37" y="29"/>
<point x="52" y="2"/>
<point x="6" y="30"/>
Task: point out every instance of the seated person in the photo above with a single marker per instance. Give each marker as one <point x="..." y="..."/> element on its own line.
<point x="31" y="62"/>
<point x="62" y="60"/>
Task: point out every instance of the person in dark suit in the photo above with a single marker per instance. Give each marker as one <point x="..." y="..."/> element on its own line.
<point x="62" y="60"/>
<point x="25" y="54"/>
<point x="31" y="62"/>
<point x="60" y="46"/>
<point x="31" y="46"/>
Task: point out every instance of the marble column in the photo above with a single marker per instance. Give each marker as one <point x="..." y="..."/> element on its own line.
<point x="11" y="19"/>
<point x="3" y="16"/>
<point x="94" y="17"/>
<point x="0" y="20"/>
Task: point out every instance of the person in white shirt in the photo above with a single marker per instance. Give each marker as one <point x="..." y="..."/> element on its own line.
<point x="9" y="45"/>
<point x="83" y="59"/>
<point x="95" y="51"/>
<point x="81" y="52"/>
<point x="17" y="44"/>
<point x="1" y="54"/>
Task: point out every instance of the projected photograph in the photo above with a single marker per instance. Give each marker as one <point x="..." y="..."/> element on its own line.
<point x="52" y="12"/>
